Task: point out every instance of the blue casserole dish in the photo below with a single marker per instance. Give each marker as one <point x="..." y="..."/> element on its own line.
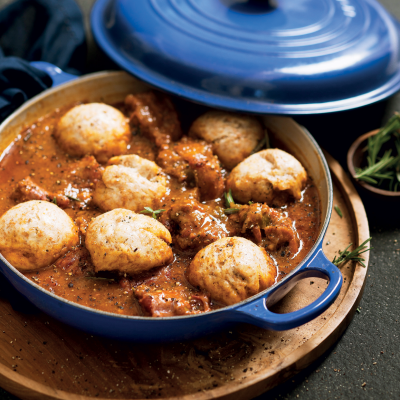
<point x="111" y="87"/>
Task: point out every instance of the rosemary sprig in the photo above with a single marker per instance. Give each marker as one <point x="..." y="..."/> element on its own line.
<point x="153" y="213"/>
<point x="375" y="142"/>
<point x="230" y="204"/>
<point x="387" y="167"/>
<point x="354" y="255"/>
<point x="379" y="170"/>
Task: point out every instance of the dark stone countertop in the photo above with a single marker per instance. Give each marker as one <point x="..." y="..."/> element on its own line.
<point x="368" y="350"/>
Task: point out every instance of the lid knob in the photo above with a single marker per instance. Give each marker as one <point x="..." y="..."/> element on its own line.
<point x="251" y="6"/>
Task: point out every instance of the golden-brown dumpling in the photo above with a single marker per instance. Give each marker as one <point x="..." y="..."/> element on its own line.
<point x="95" y="128"/>
<point x="233" y="136"/>
<point x="121" y="240"/>
<point x="265" y="174"/>
<point x="35" y="233"/>
<point x="232" y="269"/>
<point x="130" y="182"/>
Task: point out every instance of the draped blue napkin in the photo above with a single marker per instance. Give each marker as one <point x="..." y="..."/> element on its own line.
<point x="37" y="30"/>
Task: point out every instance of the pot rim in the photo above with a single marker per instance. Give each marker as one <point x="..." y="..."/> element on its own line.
<point x="312" y="251"/>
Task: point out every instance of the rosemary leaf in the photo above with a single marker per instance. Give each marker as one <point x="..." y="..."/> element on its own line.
<point x="229" y="211"/>
<point x="385" y="162"/>
<point x="153" y="213"/>
<point x="72" y="198"/>
<point x="388" y="175"/>
<point x="267" y="142"/>
<point x="264" y="143"/>
<point x="369" y="180"/>
<point x="158" y="211"/>
<point x="339" y="211"/>
<point x="100" y="278"/>
<point x="260" y="145"/>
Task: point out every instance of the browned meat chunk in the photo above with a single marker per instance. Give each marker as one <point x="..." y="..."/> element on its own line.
<point x="84" y="171"/>
<point x="156" y="117"/>
<point x="208" y="173"/>
<point x="167" y="303"/>
<point x="190" y="159"/>
<point x="28" y="190"/>
<point x="76" y="261"/>
<point x="193" y="225"/>
<point x="174" y="165"/>
<point x="277" y="227"/>
<point x="161" y="294"/>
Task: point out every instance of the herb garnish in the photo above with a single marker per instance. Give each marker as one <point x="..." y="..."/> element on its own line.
<point x="386" y="167"/>
<point x="100" y="278"/>
<point x="72" y="198"/>
<point x="55" y="201"/>
<point x="263" y="143"/>
<point x="230" y="203"/>
<point x="354" y="255"/>
<point x="339" y="211"/>
<point x="229" y="211"/>
<point x="148" y="210"/>
<point x="229" y="198"/>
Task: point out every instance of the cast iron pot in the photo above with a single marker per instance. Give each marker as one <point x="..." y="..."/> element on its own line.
<point x="112" y="87"/>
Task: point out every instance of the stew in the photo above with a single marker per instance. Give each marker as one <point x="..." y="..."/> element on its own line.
<point x="195" y="209"/>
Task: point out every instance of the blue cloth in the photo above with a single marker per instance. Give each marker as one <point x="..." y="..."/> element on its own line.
<point x="37" y="30"/>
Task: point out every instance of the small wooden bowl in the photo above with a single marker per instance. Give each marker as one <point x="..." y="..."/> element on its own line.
<point x="355" y="157"/>
<point x="378" y="202"/>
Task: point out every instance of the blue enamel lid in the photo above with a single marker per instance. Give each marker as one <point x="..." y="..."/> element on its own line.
<point x="287" y="57"/>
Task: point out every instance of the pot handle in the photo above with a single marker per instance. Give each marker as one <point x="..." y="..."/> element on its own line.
<point x="257" y="313"/>
<point x="57" y="75"/>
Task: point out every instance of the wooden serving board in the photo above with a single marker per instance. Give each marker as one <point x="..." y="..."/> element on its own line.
<point x="41" y="358"/>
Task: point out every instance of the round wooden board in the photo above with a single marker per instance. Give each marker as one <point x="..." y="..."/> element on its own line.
<point x="41" y="358"/>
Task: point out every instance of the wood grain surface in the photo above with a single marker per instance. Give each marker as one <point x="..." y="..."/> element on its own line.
<point x="41" y="358"/>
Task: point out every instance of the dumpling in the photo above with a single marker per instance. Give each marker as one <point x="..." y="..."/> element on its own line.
<point x="35" y="233"/>
<point x="233" y="136"/>
<point x="130" y="182"/>
<point x="95" y="128"/>
<point x="266" y="174"/>
<point x="232" y="269"/>
<point x="121" y="240"/>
